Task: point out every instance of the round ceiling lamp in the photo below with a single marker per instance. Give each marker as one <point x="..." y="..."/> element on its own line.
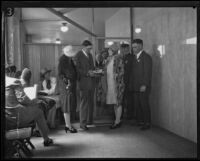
<point x="64" y="27"/>
<point x="138" y="30"/>
<point x="110" y="43"/>
<point x="58" y="41"/>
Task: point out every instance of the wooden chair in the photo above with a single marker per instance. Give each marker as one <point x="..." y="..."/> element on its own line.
<point x="19" y="139"/>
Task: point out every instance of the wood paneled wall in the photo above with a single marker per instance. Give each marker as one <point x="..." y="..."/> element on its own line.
<point x="39" y="56"/>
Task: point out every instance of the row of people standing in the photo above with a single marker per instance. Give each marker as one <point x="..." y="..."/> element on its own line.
<point x="127" y="78"/>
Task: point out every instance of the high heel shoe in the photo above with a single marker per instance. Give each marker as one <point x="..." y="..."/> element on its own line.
<point x="48" y="142"/>
<point x="114" y="125"/>
<point x="71" y="130"/>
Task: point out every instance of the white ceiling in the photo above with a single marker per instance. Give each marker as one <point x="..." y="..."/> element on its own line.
<point x="44" y="26"/>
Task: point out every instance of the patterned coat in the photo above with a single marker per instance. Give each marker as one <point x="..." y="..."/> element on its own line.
<point x="118" y="69"/>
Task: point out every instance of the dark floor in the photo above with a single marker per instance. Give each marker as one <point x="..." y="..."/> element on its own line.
<point x="125" y="142"/>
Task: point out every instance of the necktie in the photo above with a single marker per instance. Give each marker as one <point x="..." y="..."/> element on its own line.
<point x="48" y="84"/>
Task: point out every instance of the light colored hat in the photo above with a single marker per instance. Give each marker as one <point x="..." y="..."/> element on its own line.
<point x="68" y="51"/>
<point x="114" y="47"/>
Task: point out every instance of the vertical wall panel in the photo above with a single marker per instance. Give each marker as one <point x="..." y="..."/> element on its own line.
<point x="169" y="36"/>
<point x="47" y="57"/>
<point x="174" y="84"/>
<point x="32" y="61"/>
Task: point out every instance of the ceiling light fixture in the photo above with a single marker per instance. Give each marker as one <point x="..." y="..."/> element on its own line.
<point x="110" y="43"/>
<point x="58" y="41"/>
<point x="138" y="30"/>
<point x="64" y="27"/>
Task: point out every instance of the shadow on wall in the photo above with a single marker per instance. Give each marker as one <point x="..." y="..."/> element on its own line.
<point x="156" y="82"/>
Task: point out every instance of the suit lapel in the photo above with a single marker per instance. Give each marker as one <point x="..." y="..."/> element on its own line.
<point x="85" y="58"/>
<point x="141" y="55"/>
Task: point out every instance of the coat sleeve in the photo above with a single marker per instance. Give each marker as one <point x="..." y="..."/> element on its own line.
<point x="22" y="97"/>
<point x="80" y="67"/>
<point x="63" y="71"/>
<point x="147" y="70"/>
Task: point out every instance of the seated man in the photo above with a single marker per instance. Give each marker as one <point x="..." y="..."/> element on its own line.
<point x="25" y="79"/>
<point x="19" y="106"/>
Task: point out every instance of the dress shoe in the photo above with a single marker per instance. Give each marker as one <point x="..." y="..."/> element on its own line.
<point x="71" y="130"/>
<point x="145" y="127"/>
<point x="48" y="142"/>
<point x="84" y="128"/>
<point x="114" y="126"/>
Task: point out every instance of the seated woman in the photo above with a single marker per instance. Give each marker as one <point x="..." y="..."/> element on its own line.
<point x="19" y="106"/>
<point x="49" y="82"/>
<point x="48" y="86"/>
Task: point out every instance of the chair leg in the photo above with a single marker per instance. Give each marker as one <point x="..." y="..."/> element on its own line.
<point x="25" y="147"/>
<point x="19" y="148"/>
<point x="27" y="141"/>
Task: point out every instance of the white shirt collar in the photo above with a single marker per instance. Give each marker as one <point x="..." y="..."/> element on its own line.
<point x="85" y="53"/>
<point x="138" y="55"/>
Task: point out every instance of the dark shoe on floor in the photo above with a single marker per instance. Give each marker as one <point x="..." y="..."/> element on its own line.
<point x="145" y="127"/>
<point x="114" y="126"/>
<point x="48" y="142"/>
<point x="84" y="128"/>
<point x="71" y="130"/>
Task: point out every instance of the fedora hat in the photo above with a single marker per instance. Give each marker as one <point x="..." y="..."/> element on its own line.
<point x="44" y="71"/>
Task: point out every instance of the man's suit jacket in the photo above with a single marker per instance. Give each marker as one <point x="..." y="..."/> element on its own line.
<point x="84" y="64"/>
<point x="141" y="72"/>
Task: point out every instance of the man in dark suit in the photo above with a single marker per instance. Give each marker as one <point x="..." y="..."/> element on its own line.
<point x="140" y="83"/>
<point x="85" y="66"/>
<point x="127" y="99"/>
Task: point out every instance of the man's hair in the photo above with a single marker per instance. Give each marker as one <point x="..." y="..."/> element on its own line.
<point x="86" y="43"/>
<point x="124" y="45"/>
<point x="26" y="75"/>
<point x="137" y="41"/>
